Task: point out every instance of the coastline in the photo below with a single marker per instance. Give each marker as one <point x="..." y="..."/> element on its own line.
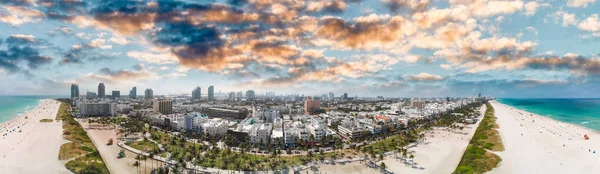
<point x="23" y="111"/>
<point x="550" y="118"/>
<point x="580" y="118"/>
<point x="29" y="141"/>
<point x="560" y="146"/>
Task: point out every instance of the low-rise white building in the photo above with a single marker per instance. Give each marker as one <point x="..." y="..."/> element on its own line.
<point x="260" y="132"/>
<point x="215" y="127"/>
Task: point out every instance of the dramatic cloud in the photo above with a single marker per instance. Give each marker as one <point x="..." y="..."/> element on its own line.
<point x="17" y="15"/>
<point x="566" y="18"/>
<point x="333" y="6"/>
<point x="29" y="38"/>
<point x="424" y="77"/>
<point x="79" y="54"/>
<point x="579" y="3"/>
<point x="139" y="73"/>
<point x="591" y="24"/>
<point x="299" y="43"/>
<point x="530" y="8"/>
<point x="21" y="53"/>
<point x="157" y="57"/>
<point x="397" y="6"/>
<point x="99" y="43"/>
<point x="365" y="33"/>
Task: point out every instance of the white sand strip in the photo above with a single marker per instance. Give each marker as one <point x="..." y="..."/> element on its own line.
<point x="537" y="144"/>
<point x="35" y="148"/>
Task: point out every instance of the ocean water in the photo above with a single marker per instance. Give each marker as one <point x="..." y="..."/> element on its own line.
<point x="13" y="106"/>
<point x="583" y="112"/>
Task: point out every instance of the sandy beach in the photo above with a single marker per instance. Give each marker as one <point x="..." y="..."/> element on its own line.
<point x="537" y="144"/>
<point x="30" y="146"/>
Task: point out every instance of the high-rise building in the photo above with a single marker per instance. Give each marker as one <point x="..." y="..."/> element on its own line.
<point x="116" y="94"/>
<point x="196" y="93"/>
<point x="331" y="96"/>
<point x="74" y="91"/>
<point x="345" y="96"/>
<point x="97" y="109"/>
<point x="311" y="106"/>
<point x="239" y="95"/>
<point x="133" y="93"/>
<point x="479" y="94"/>
<point x="149" y="94"/>
<point x="163" y="106"/>
<point x="211" y="92"/>
<point x="250" y="95"/>
<point x="232" y="96"/>
<point x="101" y="90"/>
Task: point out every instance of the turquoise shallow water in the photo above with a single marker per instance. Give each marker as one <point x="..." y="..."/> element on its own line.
<point x="583" y="112"/>
<point x="12" y="106"/>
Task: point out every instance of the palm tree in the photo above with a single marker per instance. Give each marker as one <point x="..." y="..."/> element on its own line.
<point x="144" y="158"/>
<point x="137" y="165"/>
<point x="151" y="155"/>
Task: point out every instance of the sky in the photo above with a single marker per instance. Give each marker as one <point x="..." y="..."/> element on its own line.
<point x="393" y="48"/>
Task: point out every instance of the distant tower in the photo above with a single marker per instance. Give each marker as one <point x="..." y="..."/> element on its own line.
<point x="133" y="93"/>
<point x="149" y="94"/>
<point x="74" y="91"/>
<point x="331" y="96"/>
<point x="196" y="93"/>
<point x="211" y="92"/>
<point x="479" y="94"/>
<point x="250" y="95"/>
<point x="101" y="90"/>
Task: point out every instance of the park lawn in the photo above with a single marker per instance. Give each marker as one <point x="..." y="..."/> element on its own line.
<point x="145" y="145"/>
<point x="159" y="137"/>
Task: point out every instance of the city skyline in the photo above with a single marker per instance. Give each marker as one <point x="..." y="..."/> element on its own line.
<point x="418" y="48"/>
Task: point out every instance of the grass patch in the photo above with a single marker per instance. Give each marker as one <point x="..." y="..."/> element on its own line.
<point x="477" y="159"/>
<point x="45" y="120"/>
<point x="70" y="150"/>
<point x="88" y="158"/>
<point x="145" y="145"/>
<point x="90" y="163"/>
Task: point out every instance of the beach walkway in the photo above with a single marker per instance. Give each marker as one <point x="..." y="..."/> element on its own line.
<point x="536" y="144"/>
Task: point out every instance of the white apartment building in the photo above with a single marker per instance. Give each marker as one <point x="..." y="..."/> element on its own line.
<point x="316" y="131"/>
<point x="215" y="127"/>
<point x="268" y="115"/>
<point x="350" y="130"/>
<point x="194" y="121"/>
<point x="97" y="109"/>
<point x="260" y="132"/>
